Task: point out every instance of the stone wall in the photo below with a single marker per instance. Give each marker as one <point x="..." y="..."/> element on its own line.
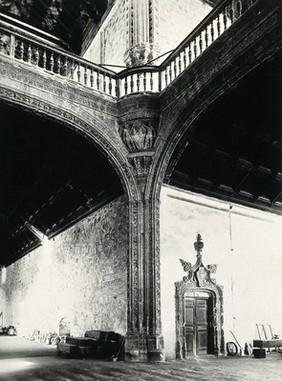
<point x="177" y="19"/>
<point x="245" y="243"/>
<point x="80" y="275"/>
<point x="111" y="42"/>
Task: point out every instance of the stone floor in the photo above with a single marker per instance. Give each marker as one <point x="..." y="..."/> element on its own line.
<point x="21" y="360"/>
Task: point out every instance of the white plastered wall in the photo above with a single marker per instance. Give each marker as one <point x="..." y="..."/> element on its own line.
<point x="176" y="19"/>
<point x="246" y="245"/>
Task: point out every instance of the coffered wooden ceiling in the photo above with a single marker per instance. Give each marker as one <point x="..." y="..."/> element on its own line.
<point x="66" y="19"/>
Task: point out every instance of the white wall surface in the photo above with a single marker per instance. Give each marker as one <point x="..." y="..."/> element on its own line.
<point x="245" y="243"/>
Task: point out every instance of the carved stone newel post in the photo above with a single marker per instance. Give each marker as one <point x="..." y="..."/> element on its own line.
<point x="143" y="32"/>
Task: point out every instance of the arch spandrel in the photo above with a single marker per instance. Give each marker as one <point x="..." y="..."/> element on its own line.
<point x="84" y="123"/>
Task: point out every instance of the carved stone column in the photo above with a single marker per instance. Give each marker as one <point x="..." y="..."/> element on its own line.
<point x="143" y="32"/>
<point x="138" y="130"/>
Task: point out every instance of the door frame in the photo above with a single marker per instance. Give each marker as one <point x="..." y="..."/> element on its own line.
<point x="199" y="279"/>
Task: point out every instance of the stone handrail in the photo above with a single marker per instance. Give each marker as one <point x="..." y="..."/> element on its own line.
<point x="44" y="54"/>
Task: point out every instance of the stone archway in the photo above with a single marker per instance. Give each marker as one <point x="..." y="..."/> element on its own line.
<point x="199" y="309"/>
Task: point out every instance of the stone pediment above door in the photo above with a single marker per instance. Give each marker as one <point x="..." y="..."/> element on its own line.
<point x="199" y="274"/>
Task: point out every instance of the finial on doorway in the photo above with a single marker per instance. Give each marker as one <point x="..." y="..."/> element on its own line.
<point x="198" y="245"/>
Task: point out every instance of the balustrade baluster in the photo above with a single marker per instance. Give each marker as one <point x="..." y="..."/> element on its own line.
<point x="104" y="82"/>
<point x="65" y="67"/>
<point x="151" y="81"/>
<point x="145" y="81"/>
<point x="78" y="72"/>
<point x="125" y="86"/>
<point x="29" y="54"/>
<point x="131" y="84"/>
<point x="239" y="8"/>
<point x="185" y="58"/>
<point x="206" y="37"/>
<point x="85" y="75"/>
<point x="22" y="51"/>
<point x="116" y="87"/>
<point x="72" y="69"/>
<point x="195" y="48"/>
<point x="189" y="54"/>
<point x="91" y="77"/>
<point x="218" y="25"/>
<point x="58" y="64"/>
<point x="36" y="56"/>
<point x="212" y="31"/>
<point x="52" y="62"/>
<point x="98" y="80"/>
<point x="175" y="68"/>
<point x="12" y="45"/>
<point x="225" y="18"/>
<point x="44" y="59"/>
<point x="138" y="81"/>
<point x="110" y="85"/>
<point x="201" y="42"/>
<point x="170" y="72"/>
<point x="179" y="64"/>
<point x="231" y="12"/>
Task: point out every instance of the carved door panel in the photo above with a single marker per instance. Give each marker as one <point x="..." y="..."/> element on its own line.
<point x="196" y="325"/>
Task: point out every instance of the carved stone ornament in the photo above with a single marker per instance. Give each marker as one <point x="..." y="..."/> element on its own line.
<point x="198" y="279"/>
<point x="139" y="54"/>
<point x="141" y="163"/>
<point x="4" y="44"/>
<point x="138" y="135"/>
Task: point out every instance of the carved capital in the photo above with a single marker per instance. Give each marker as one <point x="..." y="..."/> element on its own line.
<point x="139" y="54"/>
<point x="141" y="162"/>
<point x="139" y="136"/>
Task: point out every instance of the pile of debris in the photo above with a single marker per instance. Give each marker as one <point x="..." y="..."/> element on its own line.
<point x="94" y="344"/>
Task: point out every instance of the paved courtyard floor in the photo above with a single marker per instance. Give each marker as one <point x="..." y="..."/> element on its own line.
<point x="21" y="360"/>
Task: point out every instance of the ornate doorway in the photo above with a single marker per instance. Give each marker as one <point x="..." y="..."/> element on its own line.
<point x="199" y="309"/>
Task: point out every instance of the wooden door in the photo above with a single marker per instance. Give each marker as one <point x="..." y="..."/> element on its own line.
<point x="196" y="325"/>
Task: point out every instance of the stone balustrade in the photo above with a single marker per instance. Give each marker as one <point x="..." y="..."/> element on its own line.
<point x="39" y="52"/>
<point x="211" y="28"/>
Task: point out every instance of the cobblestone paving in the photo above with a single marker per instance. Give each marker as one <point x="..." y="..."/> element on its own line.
<point x="35" y="362"/>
